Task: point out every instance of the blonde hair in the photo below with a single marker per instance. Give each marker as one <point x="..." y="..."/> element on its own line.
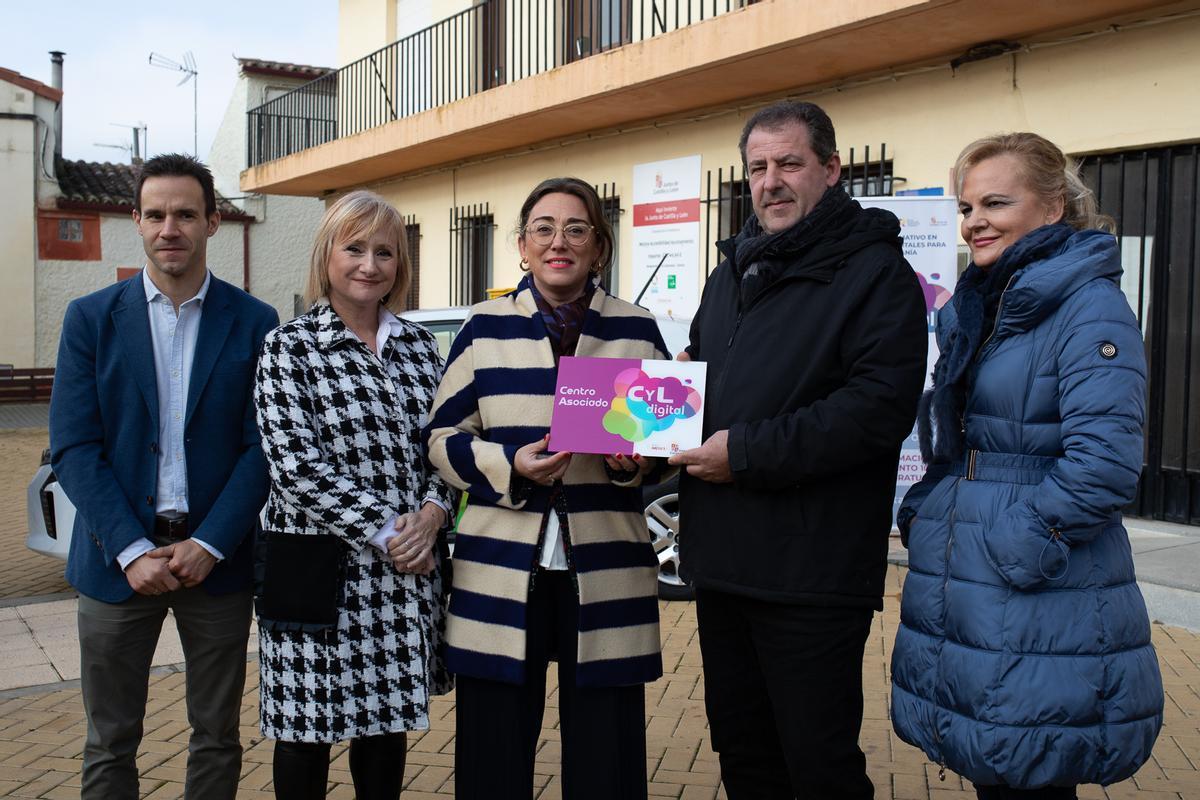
<point x="359" y="214"/>
<point x="1049" y="173"/>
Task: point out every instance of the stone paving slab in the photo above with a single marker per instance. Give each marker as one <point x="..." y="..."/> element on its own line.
<point x="41" y="733"/>
<point x="41" y="644"/>
<point x="1169" y="558"/>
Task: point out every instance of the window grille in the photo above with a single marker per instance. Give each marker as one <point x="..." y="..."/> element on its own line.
<point x="412" y="235"/>
<point x="471" y="253"/>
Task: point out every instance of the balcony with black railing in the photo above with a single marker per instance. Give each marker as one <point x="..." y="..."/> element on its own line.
<point x="505" y="76"/>
<point x="486" y="46"/>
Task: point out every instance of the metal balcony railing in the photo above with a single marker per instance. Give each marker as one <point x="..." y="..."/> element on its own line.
<point x="490" y="44"/>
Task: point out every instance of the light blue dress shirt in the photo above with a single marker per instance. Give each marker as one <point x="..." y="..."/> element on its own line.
<point x="173" y="336"/>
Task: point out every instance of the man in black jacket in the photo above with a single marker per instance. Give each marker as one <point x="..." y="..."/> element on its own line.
<point x="815" y="336"/>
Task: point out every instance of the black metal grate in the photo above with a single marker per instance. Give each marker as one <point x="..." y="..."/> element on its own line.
<point x="471" y="253"/>
<point x="610" y="203"/>
<point x="1152" y="197"/>
<point x="304" y="117"/>
<point x="412" y="236"/>
<point x="867" y="178"/>
<point x="727" y="210"/>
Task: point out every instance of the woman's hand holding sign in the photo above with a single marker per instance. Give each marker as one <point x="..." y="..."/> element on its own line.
<point x="532" y="462"/>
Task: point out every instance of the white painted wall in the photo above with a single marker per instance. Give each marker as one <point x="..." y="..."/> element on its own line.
<point x="36" y="293"/>
<point x="26" y="149"/>
<point x="60" y="282"/>
<point x="18" y="241"/>
<point x="281" y="236"/>
<point x="364" y="26"/>
<point x="412" y="16"/>
<point x="280" y="244"/>
<point x="227" y="156"/>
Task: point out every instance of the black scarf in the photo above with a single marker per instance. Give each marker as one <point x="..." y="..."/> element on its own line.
<point x="757" y="253"/>
<point x="977" y="302"/>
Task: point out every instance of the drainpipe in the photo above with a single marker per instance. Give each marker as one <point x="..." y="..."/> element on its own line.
<point x="56" y="80"/>
<point x="246" y="256"/>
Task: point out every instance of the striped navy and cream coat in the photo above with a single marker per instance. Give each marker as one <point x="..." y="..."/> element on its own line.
<point x="496" y="396"/>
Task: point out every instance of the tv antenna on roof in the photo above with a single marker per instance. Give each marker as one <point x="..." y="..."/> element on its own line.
<point x="135" y="150"/>
<point x="128" y="148"/>
<point x="188" y="67"/>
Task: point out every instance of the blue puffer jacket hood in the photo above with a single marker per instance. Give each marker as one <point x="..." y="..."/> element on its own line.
<point x="1023" y="655"/>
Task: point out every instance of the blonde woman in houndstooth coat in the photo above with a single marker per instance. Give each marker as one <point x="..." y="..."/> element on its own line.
<point x="349" y="588"/>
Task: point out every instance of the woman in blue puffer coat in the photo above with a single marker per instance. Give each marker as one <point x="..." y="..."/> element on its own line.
<point x="1023" y="659"/>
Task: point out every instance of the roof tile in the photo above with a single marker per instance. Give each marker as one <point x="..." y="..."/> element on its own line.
<point x="110" y="186"/>
<point x="282" y="69"/>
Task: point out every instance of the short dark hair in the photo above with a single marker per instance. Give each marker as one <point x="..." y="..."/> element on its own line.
<point x="591" y="201"/>
<point x="181" y="165"/>
<point x="775" y="116"/>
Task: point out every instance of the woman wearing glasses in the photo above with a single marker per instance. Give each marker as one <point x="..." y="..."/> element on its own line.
<point x="552" y="558"/>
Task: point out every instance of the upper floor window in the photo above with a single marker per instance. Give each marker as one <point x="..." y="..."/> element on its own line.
<point x="593" y="26"/>
<point x="471" y="254"/>
<point x="70" y="230"/>
<point x="610" y="203"/>
<point x="412" y="234"/>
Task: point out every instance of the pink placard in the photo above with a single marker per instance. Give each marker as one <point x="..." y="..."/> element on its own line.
<point x="620" y="405"/>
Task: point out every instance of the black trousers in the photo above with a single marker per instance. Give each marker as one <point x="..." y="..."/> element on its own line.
<point x="1006" y="793"/>
<point x="603" y="729"/>
<point x="301" y="769"/>
<point x="783" y="692"/>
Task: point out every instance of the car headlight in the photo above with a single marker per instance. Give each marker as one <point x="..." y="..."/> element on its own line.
<point x="47" y="498"/>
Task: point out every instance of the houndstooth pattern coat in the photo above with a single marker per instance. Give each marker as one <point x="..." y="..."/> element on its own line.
<point x="341" y="431"/>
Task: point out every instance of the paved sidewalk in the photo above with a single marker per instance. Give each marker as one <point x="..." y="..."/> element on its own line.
<point x="41" y="728"/>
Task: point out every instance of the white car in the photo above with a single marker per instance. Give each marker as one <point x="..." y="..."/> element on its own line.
<point x="51" y="514"/>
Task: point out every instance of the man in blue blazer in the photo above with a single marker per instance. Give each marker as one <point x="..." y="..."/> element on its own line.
<point x="153" y="438"/>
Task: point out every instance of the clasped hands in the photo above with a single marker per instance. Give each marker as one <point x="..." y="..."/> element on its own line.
<point x="411" y="548"/>
<point x="165" y="569"/>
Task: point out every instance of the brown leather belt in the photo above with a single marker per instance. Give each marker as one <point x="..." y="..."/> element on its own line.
<point x="170" y="528"/>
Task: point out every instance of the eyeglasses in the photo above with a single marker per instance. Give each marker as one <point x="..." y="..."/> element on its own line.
<point x="577" y="234"/>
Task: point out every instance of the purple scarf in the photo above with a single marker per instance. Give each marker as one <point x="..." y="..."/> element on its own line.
<point x="564" y="323"/>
